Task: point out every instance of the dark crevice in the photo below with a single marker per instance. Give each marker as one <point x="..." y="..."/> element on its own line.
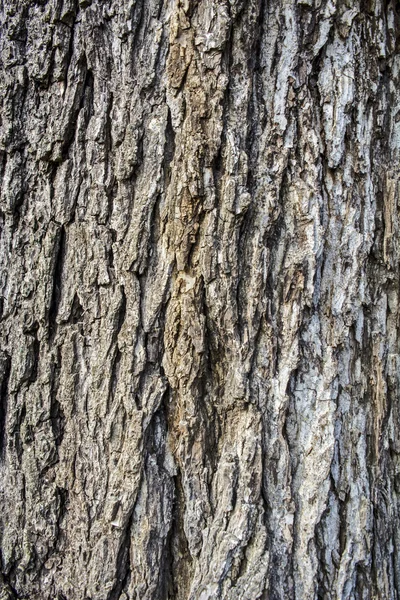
<point x="175" y="574"/>
<point x="153" y="447"/>
<point x="5" y="377"/>
<point x="137" y="18"/>
<point x="115" y="367"/>
<point x="57" y="416"/>
<point x="17" y="438"/>
<point x="87" y="98"/>
<point x="9" y="589"/>
<point x="110" y="260"/>
<point x="77" y="312"/>
<point x="60" y="251"/>
<point x="169" y="150"/>
<point x="19" y="192"/>
<point x="3" y="163"/>
<point x="150" y="231"/>
<point x="83" y="100"/>
<point x="121" y="314"/>
<point x="272" y="240"/>
<point x="33" y="359"/>
<point x="342" y="523"/>
<point x="69" y="19"/>
<point x="180" y="560"/>
<point x="51" y="176"/>
<point x="16" y="138"/>
<point x="123" y="569"/>
<point x="256" y="122"/>
<point x="62" y="496"/>
<point x="362" y="585"/>
<point x="112" y="193"/>
<point x="325" y="573"/>
<point x="282" y="560"/>
<point x="277" y="53"/>
<point x="207" y="380"/>
<point x="108" y="147"/>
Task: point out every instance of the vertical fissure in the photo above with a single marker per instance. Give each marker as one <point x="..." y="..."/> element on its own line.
<point x="57" y="275"/>
<point x="4" y="395"/>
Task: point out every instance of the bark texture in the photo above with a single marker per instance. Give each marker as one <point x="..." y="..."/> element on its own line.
<point x="200" y="368"/>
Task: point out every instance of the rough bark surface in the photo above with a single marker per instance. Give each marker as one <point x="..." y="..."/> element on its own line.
<point x="200" y="368"/>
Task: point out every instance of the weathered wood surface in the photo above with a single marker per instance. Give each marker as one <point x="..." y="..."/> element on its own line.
<point x="200" y="299"/>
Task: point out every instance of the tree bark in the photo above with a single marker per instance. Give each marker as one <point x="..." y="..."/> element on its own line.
<point x="199" y="287"/>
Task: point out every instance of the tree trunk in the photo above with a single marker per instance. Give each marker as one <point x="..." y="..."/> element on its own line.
<point x="200" y="368"/>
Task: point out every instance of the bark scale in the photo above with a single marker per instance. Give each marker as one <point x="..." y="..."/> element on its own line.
<point x="199" y="299"/>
